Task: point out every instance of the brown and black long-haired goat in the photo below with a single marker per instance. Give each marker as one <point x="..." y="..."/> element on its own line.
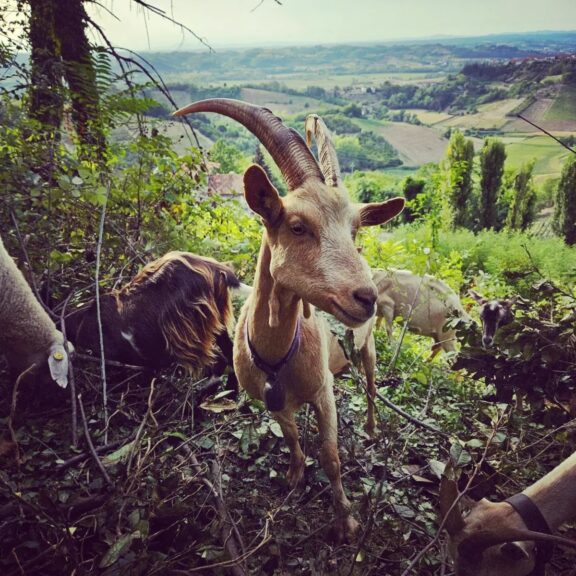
<point x="176" y="310"/>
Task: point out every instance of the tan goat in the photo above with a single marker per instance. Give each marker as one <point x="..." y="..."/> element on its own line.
<point x="307" y="256"/>
<point x="511" y="538"/>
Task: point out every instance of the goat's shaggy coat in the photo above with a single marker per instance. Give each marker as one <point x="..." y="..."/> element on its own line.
<point x="176" y="310"/>
<point x="28" y="336"/>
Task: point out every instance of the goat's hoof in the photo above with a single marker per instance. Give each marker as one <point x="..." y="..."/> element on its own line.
<point x="345" y="530"/>
<point x="370" y="430"/>
<point x="295" y="474"/>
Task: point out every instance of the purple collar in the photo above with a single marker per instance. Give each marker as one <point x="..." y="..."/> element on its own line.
<point x="272" y="370"/>
<point x="274" y="392"/>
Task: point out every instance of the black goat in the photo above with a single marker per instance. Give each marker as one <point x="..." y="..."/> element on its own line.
<point x="493" y="313"/>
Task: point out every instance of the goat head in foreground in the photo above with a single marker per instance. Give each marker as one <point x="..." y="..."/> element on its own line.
<point x="307" y="256"/>
<point x="493" y="539"/>
<point x="493" y="314"/>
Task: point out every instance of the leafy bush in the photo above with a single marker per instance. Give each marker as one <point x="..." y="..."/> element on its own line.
<point x="534" y="355"/>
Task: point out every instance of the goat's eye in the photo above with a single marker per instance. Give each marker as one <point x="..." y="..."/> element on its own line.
<point x="298" y="229"/>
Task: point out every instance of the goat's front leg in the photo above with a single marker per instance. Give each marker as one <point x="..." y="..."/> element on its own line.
<point x="297" y="458"/>
<point x="325" y="407"/>
<point x="368" y="353"/>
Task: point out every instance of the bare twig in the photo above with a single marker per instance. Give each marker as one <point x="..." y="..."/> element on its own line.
<point x="84" y="455"/>
<point x="227" y="532"/>
<point x="409" y="417"/>
<point x="71" y="377"/>
<point x="99" y="315"/>
<point x="149" y="413"/>
<point x="91" y="445"/>
<point x="13" y="409"/>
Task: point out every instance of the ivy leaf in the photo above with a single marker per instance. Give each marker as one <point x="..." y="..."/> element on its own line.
<point x="121" y="545"/>
<point x="458" y="456"/>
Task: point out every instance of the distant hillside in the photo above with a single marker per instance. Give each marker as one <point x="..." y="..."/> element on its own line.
<point x="447" y="55"/>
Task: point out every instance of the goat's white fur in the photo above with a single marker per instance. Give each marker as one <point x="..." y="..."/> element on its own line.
<point x="426" y="302"/>
<point x="28" y="335"/>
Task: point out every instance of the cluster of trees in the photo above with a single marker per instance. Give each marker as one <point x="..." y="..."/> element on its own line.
<point x="526" y="71"/>
<point x="482" y="194"/>
<point x="457" y="92"/>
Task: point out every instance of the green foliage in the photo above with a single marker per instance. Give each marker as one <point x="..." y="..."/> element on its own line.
<point x="371" y="186"/>
<point x="534" y="355"/>
<point x="512" y="261"/>
<point x="492" y="158"/>
<point x="412" y="188"/>
<point x="339" y="124"/>
<point x="229" y="158"/>
<point x="522" y="209"/>
<point x="565" y="206"/>
<point x="367" y="151"/>
<point x="459" y="163"/>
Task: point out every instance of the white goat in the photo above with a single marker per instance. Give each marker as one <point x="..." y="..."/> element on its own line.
<point x="28" y="336"/>
<point x="307" y="256"/>
<point x="511" y="538"/>
<point x="424" y="301"/>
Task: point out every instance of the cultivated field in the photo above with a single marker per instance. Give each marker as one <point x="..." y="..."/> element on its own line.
<point x="491" y="116"/>
<point x="564" y="107"/>
<point x="549" y="155"/>
<point x="416" y="145"/>
<point x="429" y="117"/>
<point x="555" y="114"/>
<point x="280" y="103"/>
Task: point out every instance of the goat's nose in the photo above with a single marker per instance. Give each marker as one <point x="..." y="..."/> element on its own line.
<point x="366" y="297"/>
<point x="487" y="341"/>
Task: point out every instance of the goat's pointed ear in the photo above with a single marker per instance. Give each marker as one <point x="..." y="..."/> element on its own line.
<point x="378" y="213"/>
<point x="261" y="195"/>
<point x="509" y="302"/>
<point x="448" y="494"/>
<point x="480" y="299"/>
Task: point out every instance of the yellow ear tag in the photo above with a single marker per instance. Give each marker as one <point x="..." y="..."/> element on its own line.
<point x="58" y="356"/>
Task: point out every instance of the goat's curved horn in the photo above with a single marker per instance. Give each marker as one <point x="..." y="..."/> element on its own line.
<point x="284" y="144"/>
<point x="329" y="164"/>
<point x="477" y="543"/>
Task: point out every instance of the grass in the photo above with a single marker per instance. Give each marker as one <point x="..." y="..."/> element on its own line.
<point x="549" y="155"/>
<point x="564" y="107"/>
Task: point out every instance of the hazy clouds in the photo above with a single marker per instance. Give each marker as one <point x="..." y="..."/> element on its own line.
<point x="231" y="22"/>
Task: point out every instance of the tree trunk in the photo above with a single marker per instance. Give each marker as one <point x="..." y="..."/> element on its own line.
<point x="80" y="75"/>
<point x="46" y="99"/>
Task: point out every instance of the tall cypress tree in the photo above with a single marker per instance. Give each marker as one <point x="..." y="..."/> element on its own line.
<point x="565" y="206"/>
<point x="459" y="164"/>
<point x="521" y="212"/>
<point x="492" y="158"/>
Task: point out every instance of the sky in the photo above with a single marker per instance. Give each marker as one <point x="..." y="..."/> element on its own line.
<point x="226" y="23"/>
